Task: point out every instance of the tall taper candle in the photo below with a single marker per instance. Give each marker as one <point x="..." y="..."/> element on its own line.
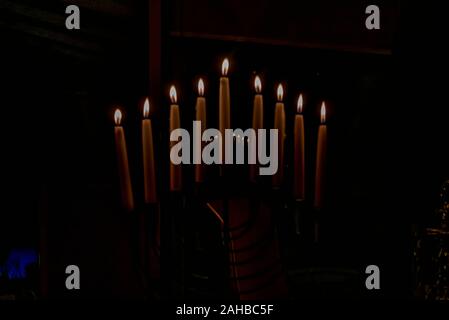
<point x="149" y="174"/>
<point x="122" y="163"/>
<point x="224" y="104"/>
<point x="279" y="123"/>
<point x="175" y="123"/>
<point x="257" y="122"/>
<point x="200" y="116"/>
<point x="299" y="163"/>
<point x="321" y="160"/>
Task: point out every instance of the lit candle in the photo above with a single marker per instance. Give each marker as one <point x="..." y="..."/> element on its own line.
<point x="279" y="124"/>
<point x="321" y="160"/>
<point x="175" y="123"/>
<point x="224" y="103"/>
<point x="299" y="163"/>
<point x="257" y="121"/>
<point x="200" y="116"/>
<point x="122" y="163"/>
<point x="149" y="174"/>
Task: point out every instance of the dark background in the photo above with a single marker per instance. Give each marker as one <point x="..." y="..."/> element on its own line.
<point x="387" y="119"/>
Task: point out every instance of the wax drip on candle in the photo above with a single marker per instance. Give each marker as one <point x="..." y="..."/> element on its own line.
<point x="201" y="87"/>
<point x="280" y="92"/>
<point x="323" y="113"/>
<point x="300" y="104"/>
<point x="118" y="117"/>
<point x="225" y="67"/>
<point x="146" y="108"/>
<point x="173" y="95"/>
<point x="258" y="84"/>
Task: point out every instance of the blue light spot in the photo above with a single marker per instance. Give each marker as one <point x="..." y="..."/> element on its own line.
<point x="17" y="263"/>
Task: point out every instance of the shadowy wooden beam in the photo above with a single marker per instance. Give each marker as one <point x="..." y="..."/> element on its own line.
<point x="280" y="42"/>
<point x="111" y="7"/>
<point x="56" y="21"/>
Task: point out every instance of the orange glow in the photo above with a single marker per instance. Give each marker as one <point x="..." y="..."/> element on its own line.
<point x="300" y="104"/>
<point x="280" y="92"/>
<point x="146" y="108"/>
<point x="258" y="84"/>
<point x="323" y="113"/>
<point x="118" y="117"/>
<point x="173" y="95"/>
<point x="225" y="67"/>
<point x="201" y="87"/>
<point x="215" y="212"/>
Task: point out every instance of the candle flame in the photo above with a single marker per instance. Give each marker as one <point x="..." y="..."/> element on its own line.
<point x="300" y="104"/>
<point x="118" y="117"/>
<point x="146" y="108"/>
<point x="173" y="95"/>
<point x="225" y="67"/>
<point x="201" y="87"/>
<point x="280" y="92"/>
<point x="323" y="113"/>
<point x="258" y="84"/>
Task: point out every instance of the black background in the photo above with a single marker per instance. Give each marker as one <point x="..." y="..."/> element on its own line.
<point x="387" y="122"/>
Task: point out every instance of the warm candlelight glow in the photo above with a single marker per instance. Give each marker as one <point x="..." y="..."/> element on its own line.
<point x="118" y="117"/>
<point x="173" y="95"/>
<point x="280" y="92"/>
<point x="258" y="84"/>
<point x="300" y="104"/>
<point x="323" y="112"/>
<point x="225" y="67"/>
<point x="146" y="108"/>
<point x="201" y="87"/>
